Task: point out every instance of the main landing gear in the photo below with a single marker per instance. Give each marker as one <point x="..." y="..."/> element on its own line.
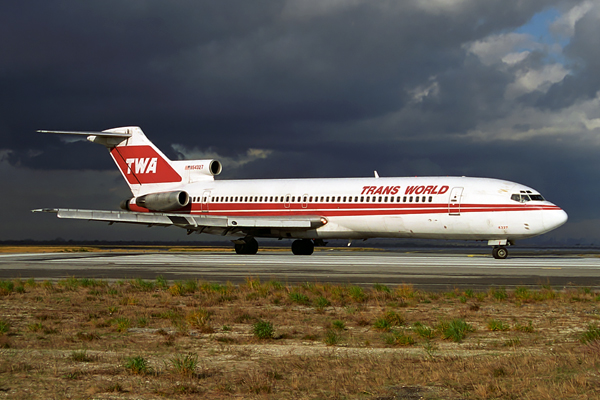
<point x="499" y="252"/>
<point x="300" y="247"/>
<point x="303" y="247"/>
<point x="246" y="246"/>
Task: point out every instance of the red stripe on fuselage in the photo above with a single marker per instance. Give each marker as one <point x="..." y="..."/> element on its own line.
<point x="351" y="209"/>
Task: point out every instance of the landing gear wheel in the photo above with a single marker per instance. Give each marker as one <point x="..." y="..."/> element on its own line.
<point x="249" y="247"/>
<point x="500" y="252"/>
<point x="304" y="247"/>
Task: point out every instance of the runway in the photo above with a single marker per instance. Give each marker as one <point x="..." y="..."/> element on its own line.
<point x="425" y="271"/>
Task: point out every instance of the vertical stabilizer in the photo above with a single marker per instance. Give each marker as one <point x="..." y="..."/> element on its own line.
<point x="140" y="161"/>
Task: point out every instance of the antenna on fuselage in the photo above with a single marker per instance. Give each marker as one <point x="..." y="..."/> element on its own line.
<point x="376" y="174"/>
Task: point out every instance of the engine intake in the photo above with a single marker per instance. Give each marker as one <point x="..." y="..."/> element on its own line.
<point x="166" y="201"/>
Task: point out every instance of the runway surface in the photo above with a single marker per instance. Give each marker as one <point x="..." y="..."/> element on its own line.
<point x="425" y="271"/>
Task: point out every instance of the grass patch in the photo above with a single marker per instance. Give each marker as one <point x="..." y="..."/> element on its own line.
<point x="4" y="326"/>
<point x="455" y="329"/>
<point x="184" y="364"/>
<point x="332" y="337"/>
<point x="263" y="330"/>
<point x="592" y="333"/>
<point x="299" y="298"/>
<point x="497" y="325"/>
<point x="137" y="365"/>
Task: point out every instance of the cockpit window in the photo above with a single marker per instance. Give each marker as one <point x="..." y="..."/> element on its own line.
<point x="524" y="197"/>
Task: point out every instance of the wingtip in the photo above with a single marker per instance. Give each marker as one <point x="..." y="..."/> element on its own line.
<point x="48" y="210"/>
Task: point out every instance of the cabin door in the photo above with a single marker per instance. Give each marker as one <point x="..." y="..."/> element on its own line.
<point x="454" y="201"/>
<point x="205" y="201"/>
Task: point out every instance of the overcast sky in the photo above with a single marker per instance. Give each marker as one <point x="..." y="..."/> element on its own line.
<point x="299" y="88"/>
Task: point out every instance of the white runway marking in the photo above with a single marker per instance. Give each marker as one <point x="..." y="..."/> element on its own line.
<point x="430" y="261"/>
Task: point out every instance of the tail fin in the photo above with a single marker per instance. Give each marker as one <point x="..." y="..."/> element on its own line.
<point x="145" y="168"/>
<point x="138" y="159"/>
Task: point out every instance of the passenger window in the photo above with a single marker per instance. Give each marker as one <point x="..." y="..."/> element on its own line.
<point x="339" y="199"/>
<point x="423" y="199"/>
<point x="367" y="199"/>
<point x="404" y="200"/>
<point x="362" y="199"/>
<point x="380" y="199"/>
<point x="416" y="199"/>
<point x="293" y="199"/>
<point x="410" y="199"/>
<point x="304" y="200"/>
<point x="343" y="200"/>
<point x="385" y="199"/>
<point x="287" y="199"/>
<point x="310" y="199"/>
<point x="430" y="199"/>
<point x="327" y="199"/>
<point x="356" y="199"/>
<point x="398" y="199"/>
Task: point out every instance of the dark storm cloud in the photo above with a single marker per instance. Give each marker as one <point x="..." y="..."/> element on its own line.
<point x="225" y="68"/>
<point x="585" y="83"/>
<point x="320" y="88"/>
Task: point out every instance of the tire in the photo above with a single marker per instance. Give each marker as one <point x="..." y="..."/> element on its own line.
<point x="500" y="253"/>
<point x="309" y="247"/>
<point x="297" y="247"/>
<point x="249" y="247"/>
<point x="304" y="247"/>
<point x="239" y="248"/>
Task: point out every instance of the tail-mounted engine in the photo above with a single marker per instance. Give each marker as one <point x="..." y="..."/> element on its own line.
<point x="166" y="201"/>
<point x="197" y="170"/>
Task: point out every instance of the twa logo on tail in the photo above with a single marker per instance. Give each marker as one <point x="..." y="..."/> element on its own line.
<point x="144" y="165"/>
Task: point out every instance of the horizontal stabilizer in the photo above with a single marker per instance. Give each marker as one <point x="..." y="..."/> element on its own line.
<point x="99" y="134"/>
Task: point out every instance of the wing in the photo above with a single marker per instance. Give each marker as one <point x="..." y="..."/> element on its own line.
<point x="220" y="224"/>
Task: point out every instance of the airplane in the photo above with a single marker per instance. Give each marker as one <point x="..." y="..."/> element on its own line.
<point x="184" y="193"/>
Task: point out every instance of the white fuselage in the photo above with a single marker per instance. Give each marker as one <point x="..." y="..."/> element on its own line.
<point x="420" y="207"/>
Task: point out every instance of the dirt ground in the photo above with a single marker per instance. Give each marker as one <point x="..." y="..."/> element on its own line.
<point x="91" y="339"/>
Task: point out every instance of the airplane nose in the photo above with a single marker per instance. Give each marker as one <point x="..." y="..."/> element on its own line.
<point x="554" y="218"/>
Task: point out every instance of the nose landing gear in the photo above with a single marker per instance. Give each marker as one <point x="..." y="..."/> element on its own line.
<point x="500" y="252"/>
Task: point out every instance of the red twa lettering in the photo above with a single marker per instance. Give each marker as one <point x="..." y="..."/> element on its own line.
<point x="142" y="165"/>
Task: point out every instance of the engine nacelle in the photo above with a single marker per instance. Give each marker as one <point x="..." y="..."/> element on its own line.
<point x="166" y="201"/>
<point x="197" y="170"/>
